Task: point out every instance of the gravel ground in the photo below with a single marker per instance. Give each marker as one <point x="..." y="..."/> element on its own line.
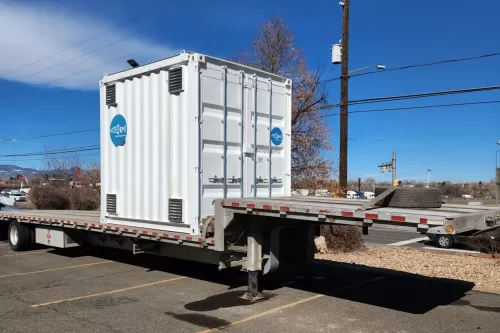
<point x="483" y="272"/>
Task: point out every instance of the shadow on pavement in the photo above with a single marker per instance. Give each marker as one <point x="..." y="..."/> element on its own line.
<point x="380" y="287"/>
<point x="198" y="319"/>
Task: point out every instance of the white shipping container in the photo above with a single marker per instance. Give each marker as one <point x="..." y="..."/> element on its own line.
<point x="179" y="133"/>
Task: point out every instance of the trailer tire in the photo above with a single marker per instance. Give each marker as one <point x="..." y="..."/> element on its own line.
<point x="411" y="197"/>
<point x="20" y="237"/>
<point x="444" y="241"/>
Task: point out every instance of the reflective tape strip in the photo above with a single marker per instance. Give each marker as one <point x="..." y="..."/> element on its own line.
<point x="398" y="218"/>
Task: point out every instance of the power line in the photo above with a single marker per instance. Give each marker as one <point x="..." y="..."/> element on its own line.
<point x="43" y="159"/>
<point x="412" y="108"/>
<point x="103" y="64"/>
<point x="64" y="50"/>
<point x="411" y="96"/>
<point x="77" y="57"/>
<point x="53" y="152"/>
<point x="49" y="135"/>
<point x="420" y="65"/>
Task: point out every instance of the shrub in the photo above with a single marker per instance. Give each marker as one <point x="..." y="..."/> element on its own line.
<point x="488" y="242"/>
<point x="342" y="238"/>
<point x="49" y="197"/>
<point x="84" y="199"/>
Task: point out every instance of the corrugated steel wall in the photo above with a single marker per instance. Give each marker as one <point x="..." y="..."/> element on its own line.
<point x="165" y="140"/>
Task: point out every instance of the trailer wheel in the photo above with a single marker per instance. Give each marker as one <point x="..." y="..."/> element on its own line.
<point x="20" y="237"/>
<point x="409" y="197"/>
<point x="444" y="241"/>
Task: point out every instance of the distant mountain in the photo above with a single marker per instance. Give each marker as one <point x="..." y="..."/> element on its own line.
<point x="7" y="170"/>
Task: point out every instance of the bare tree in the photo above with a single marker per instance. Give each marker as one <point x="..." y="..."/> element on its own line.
<point x="274" y="50"/>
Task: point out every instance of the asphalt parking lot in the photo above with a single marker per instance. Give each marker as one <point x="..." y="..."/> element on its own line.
<point x="110" y="291"/>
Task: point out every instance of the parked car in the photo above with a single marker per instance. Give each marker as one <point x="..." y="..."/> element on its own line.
<point x="355" y="195"/>
<point x="18" y="197"/>
<point x="370" y="195"/>
<point x="467" y="196"/>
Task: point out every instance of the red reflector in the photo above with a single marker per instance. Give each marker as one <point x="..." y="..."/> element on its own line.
<point x="268" y="207"/>
<point x="324" y="211"/>
<point x="144" y="232"/>
<point x="188" y="238"/>
<point x="125" y="229"/>
<point x="85" y="224"/>
<point x="347" y="214"/>
<point x="222" y="203"/>
<point x="235" y="204"/>
<point x="200" y="240"/>
<point x="371" y="216"/>
<point x="177" y="237"/>
<point x="250" y="205"/>
<point x="285" y="208"/>
<point x="100" y="226"/>
<point x="155" y="234"/>
<point x="92" y="225"/>
<point x="108" y="227"/>
<point x="423" y="221"/>
<point x="134" y="231"/>
<point x="213" y="241"/>
<point x="398" y="218"/>
<point x="117" y="228"/>
<point x="165" y="235"/>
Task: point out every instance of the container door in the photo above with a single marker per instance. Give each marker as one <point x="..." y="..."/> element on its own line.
<point x="222" y="103"/>
<point x="270" y="139"/>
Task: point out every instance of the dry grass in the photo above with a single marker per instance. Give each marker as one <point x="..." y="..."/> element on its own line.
<point x="61" y="198"/>
<point x="342" y="238"/>
<point x="483" y="272"/>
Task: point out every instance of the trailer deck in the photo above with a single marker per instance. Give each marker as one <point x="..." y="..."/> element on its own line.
<point x="324" y="209"/>
<point x="90" y="221"/>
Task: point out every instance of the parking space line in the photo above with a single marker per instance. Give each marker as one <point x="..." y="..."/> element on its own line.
<point x="56" y="269"/>
<point x="285" y="306"/>
<point x="409" y="241"/>
<point x="108" y="292"/>
<point x="24" y="253"/>
<point x="450" y="250"/>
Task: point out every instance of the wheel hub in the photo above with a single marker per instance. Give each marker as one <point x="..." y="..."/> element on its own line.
<point x="444" y="241"/>
<point x="14" y="235"/>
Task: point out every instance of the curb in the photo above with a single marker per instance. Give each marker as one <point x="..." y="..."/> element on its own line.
<point x="463" y="254"/>
<point x="487" y="290"/>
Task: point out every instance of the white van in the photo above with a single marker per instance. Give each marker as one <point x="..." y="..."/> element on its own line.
<point x="369" y="195"/>
<point x="352" y="195"/>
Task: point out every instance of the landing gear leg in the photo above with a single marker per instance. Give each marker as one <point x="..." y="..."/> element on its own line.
<point x="253" y="293"/>
<point x="254" y="261"/>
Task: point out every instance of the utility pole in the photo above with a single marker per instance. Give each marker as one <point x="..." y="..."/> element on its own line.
<point x="344" y="77"/>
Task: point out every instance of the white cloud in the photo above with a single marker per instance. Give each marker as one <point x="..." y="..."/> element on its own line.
<point x="36" y="33"/>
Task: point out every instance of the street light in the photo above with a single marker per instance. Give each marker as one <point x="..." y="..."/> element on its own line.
<point x="429" y="178"/>
<point x="379" y="67"/>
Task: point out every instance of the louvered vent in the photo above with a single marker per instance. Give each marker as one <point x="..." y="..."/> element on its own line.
<point x="111" y="203"/>
<point x="111" y="95"/>
<point x="175" y="80"/>
<point x="175" y="210"/>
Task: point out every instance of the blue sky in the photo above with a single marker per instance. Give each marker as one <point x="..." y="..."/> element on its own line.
<point x="457" y="143"/>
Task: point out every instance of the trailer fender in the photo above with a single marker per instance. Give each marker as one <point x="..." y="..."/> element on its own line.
<point x="272" y="261"/>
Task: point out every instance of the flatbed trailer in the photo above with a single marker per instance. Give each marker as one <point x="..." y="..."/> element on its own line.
<point x="256" y="235"/>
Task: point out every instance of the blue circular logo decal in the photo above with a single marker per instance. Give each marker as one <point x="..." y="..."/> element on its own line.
<point x="118" y="130"/>
<point x="276" y="136"/>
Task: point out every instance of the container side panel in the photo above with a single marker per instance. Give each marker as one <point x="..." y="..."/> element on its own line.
<point x="212" y="90"/>
<point x="152" y="165"/>
<point x="164" y="150"/>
